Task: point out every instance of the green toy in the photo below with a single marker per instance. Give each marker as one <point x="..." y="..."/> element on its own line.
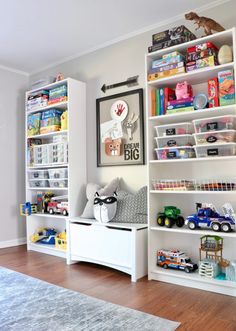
<point x="170" y="216"/>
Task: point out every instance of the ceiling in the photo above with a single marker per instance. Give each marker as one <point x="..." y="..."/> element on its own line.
<point x="37" y="34"/>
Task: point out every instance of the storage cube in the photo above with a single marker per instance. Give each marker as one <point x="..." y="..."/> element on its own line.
<point x="215" y="137"/>
<point x="37" y="174"/>
<point x="60" y="173"/>
<point x="174" y="129"/>
<point x="60" y="183"/>
<point x="38" y="183"/>
<point x="218" y="123"/>
<point x="216" y="150"/>
<point x="183" y="152"/>
<point x="171" y="141"/>
<point x="40" y="154"/>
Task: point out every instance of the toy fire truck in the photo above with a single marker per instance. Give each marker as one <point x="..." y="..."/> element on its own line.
<point x="175" y="259"/>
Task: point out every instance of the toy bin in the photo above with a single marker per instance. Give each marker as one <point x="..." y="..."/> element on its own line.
<point x="183" y="152"/>
<point x="210" y="150"/>
<point x="37" y="174"/>
<point x="180" y="140"/>
<point x="215" y="137"/>
<point x="58" y="183"/>
<point x="174" y="129"/>
<point x="40" y="154"/>
<point x="218" y="123"/>
<point x="58" y="153"/>
<point x="38" y="183"/>
<point x="60" y="173"/>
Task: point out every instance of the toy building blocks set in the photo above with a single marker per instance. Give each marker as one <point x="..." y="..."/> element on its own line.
<point x="171" y="37"/>
<point x="44" y="98"/>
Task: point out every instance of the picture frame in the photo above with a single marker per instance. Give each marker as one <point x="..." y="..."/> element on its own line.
<point x="120" y="129"/>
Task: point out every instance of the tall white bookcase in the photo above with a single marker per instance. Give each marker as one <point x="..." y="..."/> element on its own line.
<point x="76" y="165"/>
<point x="197" y="168"/>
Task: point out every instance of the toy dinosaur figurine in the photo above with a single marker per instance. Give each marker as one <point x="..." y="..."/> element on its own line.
<point x="206" y="23"/>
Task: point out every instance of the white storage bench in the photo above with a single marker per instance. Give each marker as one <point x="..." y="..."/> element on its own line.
<point x="121" y="246"/>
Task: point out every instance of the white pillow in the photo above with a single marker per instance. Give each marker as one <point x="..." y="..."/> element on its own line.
<point x="91" y="189"/>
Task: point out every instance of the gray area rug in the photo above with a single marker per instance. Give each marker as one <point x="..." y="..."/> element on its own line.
<point x="29" y="304"/>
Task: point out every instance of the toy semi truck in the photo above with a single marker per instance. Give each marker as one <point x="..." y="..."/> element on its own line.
<point x="176" y="260"/>
<point x="208" y="217"/>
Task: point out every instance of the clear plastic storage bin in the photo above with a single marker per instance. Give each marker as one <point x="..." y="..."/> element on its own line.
<point x="218" y="123"/>
<point x="60" y="183"/>
<point x="58" y="173"/>
<point x="174" y="129"/>
<point x="38" y="183"/>
<point x="215" y="137"/>
<point x="58" y="153"/>
<point x="180" y="140"/>
<point x="37" y="174"/>
<point x="40" y="154"/>
<point x="216" y="150"/>
<point x="183" y="152"/>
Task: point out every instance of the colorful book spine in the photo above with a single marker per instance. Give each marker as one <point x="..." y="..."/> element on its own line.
<point x="170" y="60"/>
<point x="169" y="94"/>
<point x="180" y="101"/>
<point x="162" y="101"/>
<point x="153" y="102"/>
<point x="157" y="102"/>
<point x="170" y="66"/>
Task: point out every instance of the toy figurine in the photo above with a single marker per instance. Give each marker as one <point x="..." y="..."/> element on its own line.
<point x="59" y="77"/>
<point x="208" y="24"/>
<point x="183" y="91"/>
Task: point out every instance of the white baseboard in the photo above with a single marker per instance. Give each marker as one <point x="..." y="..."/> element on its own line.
<point x="12" y="243"/>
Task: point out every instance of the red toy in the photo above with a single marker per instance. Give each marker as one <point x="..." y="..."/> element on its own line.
<point x="213" y="95"/>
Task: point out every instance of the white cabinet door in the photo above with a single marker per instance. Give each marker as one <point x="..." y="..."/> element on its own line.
<point x="101" y="243"/>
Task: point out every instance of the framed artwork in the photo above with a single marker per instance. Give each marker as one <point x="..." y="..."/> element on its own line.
<point x="120" y="129"/>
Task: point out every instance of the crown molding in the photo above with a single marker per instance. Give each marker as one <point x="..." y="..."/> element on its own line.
<point x="16" y="71"/>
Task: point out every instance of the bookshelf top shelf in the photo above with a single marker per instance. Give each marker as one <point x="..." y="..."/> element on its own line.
<point x="220" y="38"/>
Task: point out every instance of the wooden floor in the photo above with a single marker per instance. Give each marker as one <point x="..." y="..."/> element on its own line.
<point x="196" y="310"/>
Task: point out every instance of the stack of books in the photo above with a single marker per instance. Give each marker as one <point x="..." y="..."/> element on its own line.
<point x="160" y="99"/>
<point x="175" y="106"/>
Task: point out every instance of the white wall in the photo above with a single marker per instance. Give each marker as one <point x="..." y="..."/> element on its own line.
<point x="114" y="64"/>
<point x="12" y="89"/>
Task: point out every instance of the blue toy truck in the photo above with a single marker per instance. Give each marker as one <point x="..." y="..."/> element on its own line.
<point x="208" y="217"/>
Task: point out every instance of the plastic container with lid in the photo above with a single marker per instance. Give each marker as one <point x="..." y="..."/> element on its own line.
<point x="171" y="141"/>
<point x="58" y="173"/>
<point x="37" y="174"/>
<point x="183" y="152"/>
<point x="58" y="183"/>
<point x="219" y="123"/>
<point x="215" y="137"/>
<point x="215" y="150"/>
<point x="174" y="129"/>
<point x="38" y="183"/>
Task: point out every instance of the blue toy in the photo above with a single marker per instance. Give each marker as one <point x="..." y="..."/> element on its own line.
<point x="208" y="217"/>
<point x="27" y="208"/>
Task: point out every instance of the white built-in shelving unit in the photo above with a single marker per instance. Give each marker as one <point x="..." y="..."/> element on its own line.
<point x="76" y="166"/>
<point x="198" y="168"/>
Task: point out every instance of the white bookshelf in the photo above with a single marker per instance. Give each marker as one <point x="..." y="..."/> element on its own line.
<point x="197" y="168"/>
<point x="76" y="166"/>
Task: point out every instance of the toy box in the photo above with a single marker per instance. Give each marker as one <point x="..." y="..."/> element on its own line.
<point x="201" y="47"/>
<point x="169" y="66"/>
<point x="167" y="60"/>
<point x="174" y="129"/>
<point x="33" y="124"/>
<point x="218" y="123"/>
<point x="166" y="73"/>
<point x="183" y="152"/>
<point x="201" y="63"/>
<point x="173" y="34"/>
<point x="51" y="121"/>
<point x="58" y="94"/>
<point x="37" y="99"/>
<point x="226" y="87"/>
<point x="201" y="54"/>
<point x="228" y="149"/>
<point x="213" y="97"/>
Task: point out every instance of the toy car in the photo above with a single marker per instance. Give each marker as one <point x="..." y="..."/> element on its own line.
<point x="208" y="217"/>
<point x="176" y="260"/>
<point x="170" y="216"/>
<point x="55" y="207"/>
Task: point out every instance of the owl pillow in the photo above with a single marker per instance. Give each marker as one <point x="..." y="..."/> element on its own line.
<point x="104" y="207"/>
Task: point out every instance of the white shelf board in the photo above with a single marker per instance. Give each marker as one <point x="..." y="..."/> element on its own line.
<point x="196" y="114"/>
<point x="61" y="165"/>
<point x="193" y="77"/>
<point x="47" y="249"/>
<point x="193" y="276"/>
<point x="186" y="230"/>
<point x="49" y="215"/>
<point x="48" y="135"/>
<point x="191" y="192"/>
<point x="220" y="38"/>
<point x="200" y="159"/>
<point x="48" y="188"/>
<point x="60" y="105"/>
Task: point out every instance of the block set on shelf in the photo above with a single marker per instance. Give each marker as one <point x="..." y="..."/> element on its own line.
<point x="215" y="136"/>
